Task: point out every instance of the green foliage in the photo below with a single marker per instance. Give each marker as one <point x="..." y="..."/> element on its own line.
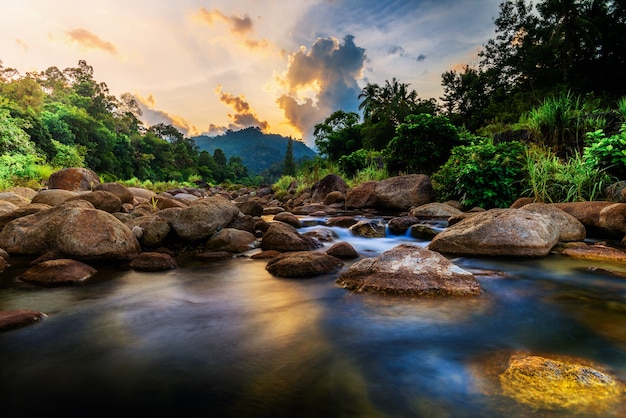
<point x="339" y="134"/>
<point x="485" y="174"/>
<point x="13" y="139"/>
<point x="281" y="186"/>
<point x="421" y="145"/>
<point x="607" y="153"/>
<point x="551" y="179"/>
<point x="289" y="164"/>
<point x="18" y="166"/>
<point x="68" y="155"/>
<point x="621" y="107"/>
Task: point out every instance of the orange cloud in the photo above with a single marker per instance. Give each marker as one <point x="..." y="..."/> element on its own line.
<point x="151" y="116"/>
<point x="239" y="26"/>
<point x="245" y="116"/>
<point x="90" y="40"/>
<point x="22" y="44"/>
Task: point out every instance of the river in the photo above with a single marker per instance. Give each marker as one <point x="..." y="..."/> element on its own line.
<point x="227" y="339"/>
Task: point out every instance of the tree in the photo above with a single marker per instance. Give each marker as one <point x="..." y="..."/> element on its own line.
<point x="421" y="145"/>
<point x="289" y="165"/>
<point x="339" y="134"/>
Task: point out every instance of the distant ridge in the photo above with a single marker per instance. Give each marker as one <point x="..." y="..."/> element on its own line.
<point x="257" y="150"/>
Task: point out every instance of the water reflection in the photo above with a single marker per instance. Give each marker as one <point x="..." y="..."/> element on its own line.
<point x="228" y="339"/>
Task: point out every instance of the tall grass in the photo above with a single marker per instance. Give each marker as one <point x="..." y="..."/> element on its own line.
<point x="551" y="179"/>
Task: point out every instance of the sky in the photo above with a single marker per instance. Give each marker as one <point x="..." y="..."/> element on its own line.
<point x="206" y="66"/>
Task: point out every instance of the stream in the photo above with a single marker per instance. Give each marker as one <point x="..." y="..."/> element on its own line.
<point x="227" y="339"/>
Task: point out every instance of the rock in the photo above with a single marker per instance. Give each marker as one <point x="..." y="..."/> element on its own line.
<point x="203" y="218"/>
<point x="288" y="218"/>
<point x="401" y="193"/>
<point x="434" y="210"/>
<point x="266" y="255"/>
<point x="53" y="197"/>
<point x="101" y="199"/>
<point x="361" y="196"/>
<point x="424" y="231"/>
<point x="341" y="221"/>
<point x="25" y="192"/>
<point x="322" y="188"/>
<point x="343" y="251"/>
<point x="522" y="201"/>
<point x="243" y="223"/>
<point x="231" y="240"/>
<point x="14" y="319"/>
<point x="321" y="234"/>
<point x="303" y="264"/>
<point x="510" y="232"/>
<point x="58" y="272"/>
<point x="141" y="193"/>
<point x="283" y="237"/>
<point x="72" y="230"/>
<point x="312" y="208"/>
<point x="164" y="202"/>
<point x="118" y="190"/>
<point x="272" y="210"/>
<point x="153" y="261"/>
<point x="575" y="388"/>
<point x="22" y="211"/>
<point x="250" y="207"/>
<point x="14" y="198"/>
<point x="3" y="262"/>
<point x="7" y="207"/>
<point x="596" y="252"/>
<point x="409" y="270"/>
<point x="154" y="230"/>
<point x="334" y="197"/>
<point x="4" y="255"/>
<point x="570" y="228"/>
<point x="370" y="228"/>
<point x="603" y="219"/>
<point x="74" y="179"/>
<point x="400" y="224"/>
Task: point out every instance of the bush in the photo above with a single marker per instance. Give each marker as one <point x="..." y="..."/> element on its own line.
<point x="421" y="145"/>
<point x="486" y="174"/>
<point x="607" y="153"/>
<point x="551" y="179"/>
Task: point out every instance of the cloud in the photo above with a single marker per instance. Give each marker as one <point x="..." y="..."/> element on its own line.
<point x="244" y="117"/>
<point x="22" y="44"/>
<point x="89" y="40"/>
<point x="328" y="72"/>
<point x="151" y="116"/>
<point x="420" y="57"/>
<point x="239" y="26"/>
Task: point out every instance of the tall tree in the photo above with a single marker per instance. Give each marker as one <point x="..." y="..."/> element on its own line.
<point x="289" y="164"/>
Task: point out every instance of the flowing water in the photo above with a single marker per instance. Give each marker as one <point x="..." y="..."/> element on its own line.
<point x="227" y="339"/>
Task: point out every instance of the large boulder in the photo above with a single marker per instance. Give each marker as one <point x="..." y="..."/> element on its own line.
<point x="284" y="237"/>
<point x="151" y="230"/>
<point x="101" y="199"/>
<point x="7" y="207"/>
<point x="53" y="197"/>
<point x="14" y="198"/>
<point x="509" y="232"/>
<point x="231" y="240"/>
<point x="605" y="219"/>
<point x="570" y="228"/>
<point x="303" y="264"/>
<point x="203" y="218"/>
<point x="58" y="272"/>
<point x="435" y="210"/>
<point x="361" y="196"/>
<point x="22" y="211"/>
<point x="409" y="269"/>
<point x="565" y="386"/>
<point x="401" y="193"/>
<point x="117" y="189"/>
<point x="330" y="183"/>
<point x="76" y="179"/>
<point x="75" y="230"/>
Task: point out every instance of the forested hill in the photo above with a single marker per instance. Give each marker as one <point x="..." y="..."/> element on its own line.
<point x="257" y="150"/>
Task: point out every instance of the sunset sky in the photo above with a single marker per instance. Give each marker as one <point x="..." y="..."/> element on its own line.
<point x="283" y="65"/>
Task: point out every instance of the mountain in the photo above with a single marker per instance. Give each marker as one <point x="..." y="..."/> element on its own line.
<point x="257" y="150"/>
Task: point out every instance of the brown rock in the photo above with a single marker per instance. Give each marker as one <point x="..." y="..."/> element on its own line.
<point x="74" y="179"/>
<point x="369" y="228"/>
<point x="58" y="272"/>
<point x="303" y="264"/>
<point x="288" y="218"/>
<point x="341" y="221"/>
<point x="343" y="251"/>
<point x="334" y="197"/>
<point x="101" y="199"/>
<point x="596" y="252"/>
<point x="265" y="255"/>
<point x="401" y="193"/>
<point x="231" y="240"/>
<point x="7" y="207"/>
<point x="435" y="210"/>
<point x="53" y="197"/>
<point x="203" y="218"/>
<point x="400" y="224"/>
<point x="154" y="230"/>
<point x="409" y="270"/>
<point x="570" y="228"/>
<point x="3" y="262"/>
<point x="117" y="189"/>
<point x="18" y="318"/>
<point x="361" y="196"/>
<point x="603" y="219"/>
<point x="14" y="198"/>
<point x="153" y="261"/>
<point x="283" y="237"/>
<point x="331" y="183"/>
<point x="510" y="232"/>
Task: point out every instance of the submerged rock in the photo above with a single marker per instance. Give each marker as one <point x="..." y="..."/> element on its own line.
<point x="283" y="237"/>
<point x="544" y="383"/>
<point x="18" y="318"/>
<point x="409" y="269"/>
<point x="58" y="272"/>
<point x="153" y="261"/>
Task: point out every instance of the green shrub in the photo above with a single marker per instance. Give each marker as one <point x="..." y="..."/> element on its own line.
<point x="551" y="179"/>
<point x="421" y="145"/>
<point x="486" y="174"/>
<point x="607" y="153"/>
